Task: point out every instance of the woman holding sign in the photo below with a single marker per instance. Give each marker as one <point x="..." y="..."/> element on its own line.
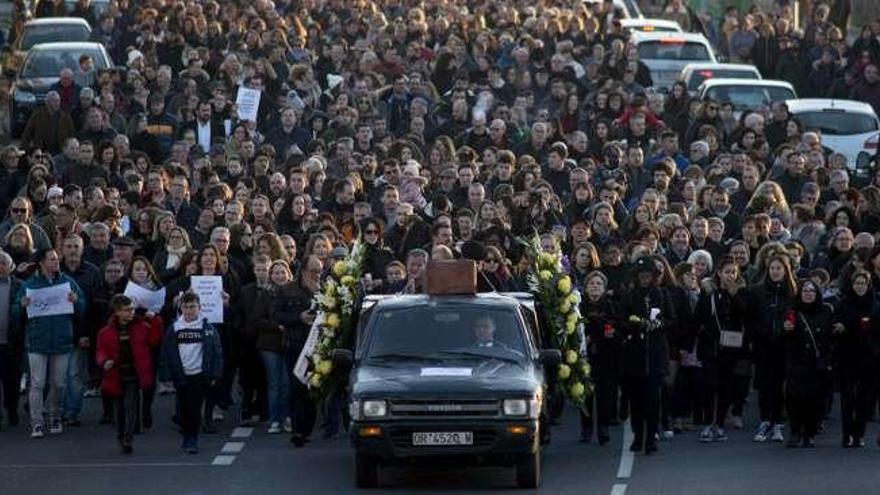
<point x="49" y="335"/>
<point x="144" y="277"/>
<point x="207" y="279"/>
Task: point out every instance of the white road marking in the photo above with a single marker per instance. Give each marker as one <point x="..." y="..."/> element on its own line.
<point x="93" y="465"/>
<point x="242" y="432"/>
<point x="618" y="489"/>
<point x="624" y="469"/>
<point x="232" y="447"/>
<point x="223" y="460"/>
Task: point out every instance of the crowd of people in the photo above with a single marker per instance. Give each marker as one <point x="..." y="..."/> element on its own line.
<point x="437" y="130"/>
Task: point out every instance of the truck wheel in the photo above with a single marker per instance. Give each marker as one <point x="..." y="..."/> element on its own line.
<point x="366" y="471"/>
<point x="528" y="470"/>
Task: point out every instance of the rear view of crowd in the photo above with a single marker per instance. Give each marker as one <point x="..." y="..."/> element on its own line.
<point x="438" y="130"/>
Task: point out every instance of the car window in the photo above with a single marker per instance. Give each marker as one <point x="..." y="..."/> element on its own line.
<point x="837" y="123"/>
<point x="673" y="50"/>
<point x="746" y="97"/>
<point x="698" y="76"/>
<point x="45" y="63"/>
<point x="424" y="330"/>
<point x="37" y="34"/>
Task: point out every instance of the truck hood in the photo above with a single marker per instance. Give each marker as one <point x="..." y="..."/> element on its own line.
<point x="492" y="379"/>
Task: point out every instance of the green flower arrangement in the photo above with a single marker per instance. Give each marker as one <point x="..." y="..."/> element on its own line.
<point x="549" y="283"/>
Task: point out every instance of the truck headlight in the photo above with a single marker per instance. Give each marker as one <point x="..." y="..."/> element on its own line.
<point x="375" y="408"/>
<point x="22" y="96"/>
<point x="516" y="407"/>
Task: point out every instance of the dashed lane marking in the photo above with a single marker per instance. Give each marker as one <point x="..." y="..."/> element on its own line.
<point x="223" y="460"/>
<point x="232" y="447"/>
<point x="242" y="432"/>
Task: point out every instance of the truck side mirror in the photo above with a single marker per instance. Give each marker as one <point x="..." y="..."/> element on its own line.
<point x="550" y="358"/>
<point x="342" y="357"/>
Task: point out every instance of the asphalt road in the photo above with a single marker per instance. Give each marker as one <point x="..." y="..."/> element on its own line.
<point x="244" y="460"/>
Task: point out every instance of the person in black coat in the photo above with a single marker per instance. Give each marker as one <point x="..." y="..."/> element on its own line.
<point x="377" y="256"/>
<point x="807" y="348"/>
<point x="722" y="345"/>
<point x="857" y="328"/>
<point x="770" y="300"/>
<point x="294" y="311"/>
<point x="603" y="353"/>
<point x="255" y="317"/>
<point x="645" y="351"/>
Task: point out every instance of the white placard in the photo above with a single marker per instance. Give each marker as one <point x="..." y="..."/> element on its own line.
<point x="248" y="102"/>
<point x="301" y="368"/>
<point x="446" y="372"/>
<point x="50" y="301"/>
<point x="151" y="300"/>
<point x="210" y="291"/>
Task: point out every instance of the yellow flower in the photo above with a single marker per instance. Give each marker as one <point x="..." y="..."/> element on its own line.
<point x="577" y="390"/>
<point x="329" y="303"/>
<point x="329" y="289"/>
<point x="571" y="319"/>
<point x="573" y="298"/>
<point x="564" y="372"/>
<point x="546" y="261"/>
<point x="571" y="357"/>
<point x="545" y="275"/>
<point x="348" y="280"/>
<point x="570" y="327"/>
<point x="315" y="380"/>
<point x="585" y="369"/>
<point x="332" y="320"/>
<point x="634" y="319"/>
<point x="324" y="367"/>
<point x="564" y="285"/>
<point x="564" y="307"/>
<point x="339" y="268"/>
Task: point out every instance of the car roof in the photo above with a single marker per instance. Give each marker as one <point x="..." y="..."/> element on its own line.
<point x="492" y="299"/>
<point x="708" y="83"/>
<point x="819" y="104"/>
<point x="720" y="66"/>
<point x="640" y="36"/>
<point x="55" y="21"/>
<point x="641" y="21"/>
<point x="68" y="45"/>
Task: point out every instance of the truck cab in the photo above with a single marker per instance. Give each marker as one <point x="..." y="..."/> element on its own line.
<point x="458" y="377"/>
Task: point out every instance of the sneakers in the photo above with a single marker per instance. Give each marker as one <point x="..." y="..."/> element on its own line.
<point x="777" y="434"/>
<point x="191" y="445"/>
<point x="762" y="432"/>
<point x="737" y="422"/>
<point x="92" y="392"/>
<point x="288" y="425"/>
<point x="37" y="431"/>
<point x="165" y="388"/>
<point x="217" y="414"/>
<point x="720" y="436"/>
<point x="667" y="435"/>
<point x="274" y="428"/>
<point x="707" y="435"/>
<point x="55" y="426"/>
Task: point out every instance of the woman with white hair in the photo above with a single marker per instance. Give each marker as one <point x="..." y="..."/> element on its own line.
<point x="702" y="262"/>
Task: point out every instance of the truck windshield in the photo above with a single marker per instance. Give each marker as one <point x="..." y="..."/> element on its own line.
<point x="447" y="331"/>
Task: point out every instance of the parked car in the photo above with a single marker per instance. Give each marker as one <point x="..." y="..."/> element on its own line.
<point x="848" y="127"/>
<point x="651" y="25"/>
<point x="41" y="69"/>
<point x="666" y="54"/>
<point x="49" y="30"/>
<point x="746" y="94"/>
<point x="694" y="74"/>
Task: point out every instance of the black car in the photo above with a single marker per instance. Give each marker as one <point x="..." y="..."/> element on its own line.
<point x="42" y="69"/>
<point x="456" y="377"/>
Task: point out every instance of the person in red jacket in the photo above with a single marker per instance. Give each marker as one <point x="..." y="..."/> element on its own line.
<point x="124" y="355"/>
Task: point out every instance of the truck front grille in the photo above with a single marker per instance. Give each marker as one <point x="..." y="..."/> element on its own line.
<point x="445" y="408"/>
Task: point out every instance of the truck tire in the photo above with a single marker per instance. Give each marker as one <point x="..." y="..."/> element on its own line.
<point x="366" y="471"/>
<point x="528" y="470"/>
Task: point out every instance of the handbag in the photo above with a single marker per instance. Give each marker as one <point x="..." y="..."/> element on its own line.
<point x="729" y="339"/>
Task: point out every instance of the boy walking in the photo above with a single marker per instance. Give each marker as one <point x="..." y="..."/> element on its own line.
<point x="193" y="359"/>
<point x="124" y="353"/>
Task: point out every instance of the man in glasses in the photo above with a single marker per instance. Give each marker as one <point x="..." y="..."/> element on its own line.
<point x="21" y="211"/>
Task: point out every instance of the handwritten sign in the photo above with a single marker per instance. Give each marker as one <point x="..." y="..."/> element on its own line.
<point x="248" y="102"/>
<point x="50" y="301"/>
<point x="210" y="291"/>
<point x="151" y="300"/>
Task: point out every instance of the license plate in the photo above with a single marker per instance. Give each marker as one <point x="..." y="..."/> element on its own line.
<point x="443" y="438"/>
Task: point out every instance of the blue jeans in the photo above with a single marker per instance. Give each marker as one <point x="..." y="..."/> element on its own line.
<point x="77" y="376"/>
<point x="278" y="370"/>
